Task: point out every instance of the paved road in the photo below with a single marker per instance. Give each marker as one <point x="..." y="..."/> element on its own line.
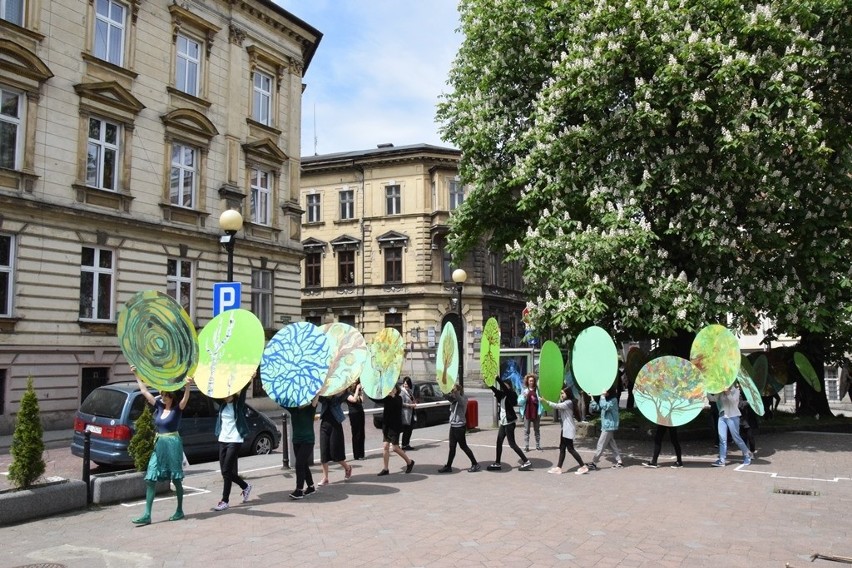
<point x="695" y="516"/>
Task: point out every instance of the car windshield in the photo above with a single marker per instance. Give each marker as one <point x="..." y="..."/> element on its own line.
<point x="104" y="402"/>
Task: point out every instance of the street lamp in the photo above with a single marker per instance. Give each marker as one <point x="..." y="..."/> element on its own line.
<point x="459" y="276"/>
<point x="231" y="221"/>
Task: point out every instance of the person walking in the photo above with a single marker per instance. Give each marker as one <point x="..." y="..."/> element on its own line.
<point x="166" y="461"/>
<point x="302" y="419"/>
<point x="531" y="409"/>
<point x="659" y="433"/>
<point x="729" y="423"/>
<point x="568" y="413"/>
<point x="458" y="429"/>
<point x="355" y="400"/>
<point x="507" y="398"/>
<point x="231" y="429"/>
<point x="391" y="427"/>
<point x="408" y="405"/>
<point x="332" y="443"/>
<point x="608" y="407"/>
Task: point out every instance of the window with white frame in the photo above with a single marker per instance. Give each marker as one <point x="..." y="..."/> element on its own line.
<point x="11" y="128"/>
<point x="102" y="154"/>
<point x="12" y="11"/>
<point x="184" y="173"/>
<point x="96" y="284"/>
<point x="313" y="206"/>
<point x="456" y="194"/>
<point x="261" y="196"/>
<point x="832" y="383"/>
<point x="394" y="200"/>
<point x="347" y="204"/>
<point x="261" y="296"/>
<point x="179" y="272"/>
<point x="7" y="273"/>
<point x="187" y="64"/>
<point x="262" y="100"/>
<point x="110" y="18"/>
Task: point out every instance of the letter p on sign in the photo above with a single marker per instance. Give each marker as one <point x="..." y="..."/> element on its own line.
<point x="226" y="296"/>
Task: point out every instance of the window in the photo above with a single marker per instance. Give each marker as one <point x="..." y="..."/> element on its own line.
<point x="446" y="265"/>
<point x="11" y="128"/>
<point x="187" y="65"/>
<point x="346" y="267"/>
<point x="109" y="31"/>
<point x="262" y="101"/>
<point x="7" y="273"/>
<point x="313" y="207"/>
<point x="394" y="321"/>
<point x="394" y="200"/>
<point x="102" y="154"/>
<point x="494" y="265"/>
<point x="12" y="11"/>
<point x="393" y="264"/>
<point x="347" y="204"/>
<point x="260" y="196"/>
<point x="183" y="175"/>
<point x="96" y="284"/>
<point x="316" y="320"/>
<point x="832" y="383"/>
<point x="92" y="378"/>
<point x="348" y="319"/>
<point x="179" y="282"/>
<point x="313" y="269"/>
<point x="261" y="296"/>
<point x="456" y="194"/>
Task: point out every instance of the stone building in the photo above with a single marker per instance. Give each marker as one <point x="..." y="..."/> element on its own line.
<point x="126" y="128"/>
<point x="374" y="233"/>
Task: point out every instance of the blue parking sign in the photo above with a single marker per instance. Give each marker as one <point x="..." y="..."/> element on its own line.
<point x="226" y="296"/>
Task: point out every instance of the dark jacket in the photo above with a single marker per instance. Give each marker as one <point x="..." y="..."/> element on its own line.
<point x="392" y="415"/>
<point x="239" y="415"/>
<point x="509" y="398"/>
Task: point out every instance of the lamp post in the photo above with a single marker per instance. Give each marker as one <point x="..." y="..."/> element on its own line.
<point x="459" y="276"/>
<point x="231" y="221"/>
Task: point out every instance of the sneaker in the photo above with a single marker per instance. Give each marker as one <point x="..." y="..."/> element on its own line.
<point x="409" y="467"/>
<point x="582" y="470"/>
<point x="526" y="449"/>
<point x="322" y="483"/>
<point x="495" y="466"/>
<point x="221" y="506"/>
<point x="652" y="465"/>
<point x="297" y="494"/>
<point x="718" y="463"/>
<point x="556" y="470"/>
<point x="474" y="468"/>
<point x="310" y="490"/>
<point x="246" y="492"/>
<point x="539" y="448"/>
<point x="407" y="448"/>
<point x="445" y="469"/>
<point x="383" y="472"/>
<point x="618" y="465"/>
<point x="348" y="474"/>
<point x="747" y="461"/>
<point x="527" y="465"/>
<point x="592" y="466"/>
<point x="677" y="465"/>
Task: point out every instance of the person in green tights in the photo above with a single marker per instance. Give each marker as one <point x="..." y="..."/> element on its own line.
<point x="167" y="459"/>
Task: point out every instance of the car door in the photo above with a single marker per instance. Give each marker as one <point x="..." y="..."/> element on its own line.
<point x="198" y="426"/>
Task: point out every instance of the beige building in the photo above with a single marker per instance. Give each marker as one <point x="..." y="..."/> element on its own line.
<point x="374" y="233"/>
<point x="126" y="128"/>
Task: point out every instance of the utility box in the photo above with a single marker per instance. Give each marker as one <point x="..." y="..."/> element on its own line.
<point x="472" y="414"/>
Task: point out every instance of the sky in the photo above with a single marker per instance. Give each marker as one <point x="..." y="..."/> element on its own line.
<point x="378" y="72"/>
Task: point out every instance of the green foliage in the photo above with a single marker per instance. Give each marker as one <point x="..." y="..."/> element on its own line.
<point x="27" y="443"/>
<point x="142" y="444"/>
<point x="660" y="165"/>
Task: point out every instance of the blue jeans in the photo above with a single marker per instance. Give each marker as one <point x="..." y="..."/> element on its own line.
<point x="730" y="424"/>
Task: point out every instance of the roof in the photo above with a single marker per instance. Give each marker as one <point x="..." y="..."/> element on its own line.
<point x="380" y="153"/>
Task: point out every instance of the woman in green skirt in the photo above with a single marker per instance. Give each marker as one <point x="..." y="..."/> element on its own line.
<point x="167" y="459"/>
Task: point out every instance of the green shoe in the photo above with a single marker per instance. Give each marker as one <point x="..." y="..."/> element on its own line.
<point x="177" y="516"/>
<point x="142" y="521"/>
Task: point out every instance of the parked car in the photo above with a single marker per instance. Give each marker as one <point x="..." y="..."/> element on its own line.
<point x="424" y="391"/>
<point x="110" y="412"/>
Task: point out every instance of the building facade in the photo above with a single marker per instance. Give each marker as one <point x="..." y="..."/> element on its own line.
<point x="126" y="128"/>
<point x="375" y="233"/>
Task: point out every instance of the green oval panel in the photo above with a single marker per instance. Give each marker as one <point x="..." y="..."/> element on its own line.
<point x="669" y="391"/>
<point x="489" y="352"/>
<point x="387" y="353"/>
<point x="761" y="370"/>
<point x="716" y="353"/>
<point x="347" y="356"/>
<point x="447" y="359"/>
<point x="807" y="370"/>
<point x="230" y="348"/>
<point x="594" y="360"/>
<point x="749" y="387"/>
<point x="551" y="371"/>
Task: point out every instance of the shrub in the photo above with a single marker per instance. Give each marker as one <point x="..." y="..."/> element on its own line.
<point x="142" y="444"/>
<point x="27" y="442"/>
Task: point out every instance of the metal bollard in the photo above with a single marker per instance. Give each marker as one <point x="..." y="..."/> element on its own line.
<point x="285" y="442"/>
<point x="87" y="450"/>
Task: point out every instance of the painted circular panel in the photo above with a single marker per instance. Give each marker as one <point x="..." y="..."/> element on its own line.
<point x="761" y="371"/>
<point x="807" y="370"/>
<point x="447" y="359"/>
<point x="594" y="360"/>
<point x="294" y="364"/>
<point x="489" y="352"/>
<point x="387" y="353"/>
<point x="348" y="354"/>
<point x="749" y="387"/>
<point x="669" y="391"/>
<point x="716" y="353"/>
<point x="230" y="347"/>
<point x="551" y="371"/>
<point x="158" y="338"/>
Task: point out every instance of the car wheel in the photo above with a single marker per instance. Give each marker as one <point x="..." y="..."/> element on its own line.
<point x="262" y="444"/>
<point x="421" y="419"/>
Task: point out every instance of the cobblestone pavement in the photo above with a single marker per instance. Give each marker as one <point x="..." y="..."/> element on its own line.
<point x="635" y="516"/>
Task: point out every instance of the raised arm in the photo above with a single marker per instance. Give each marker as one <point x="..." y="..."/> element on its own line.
<point x="143" y="388"/>
<point x="185" y="398"/>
